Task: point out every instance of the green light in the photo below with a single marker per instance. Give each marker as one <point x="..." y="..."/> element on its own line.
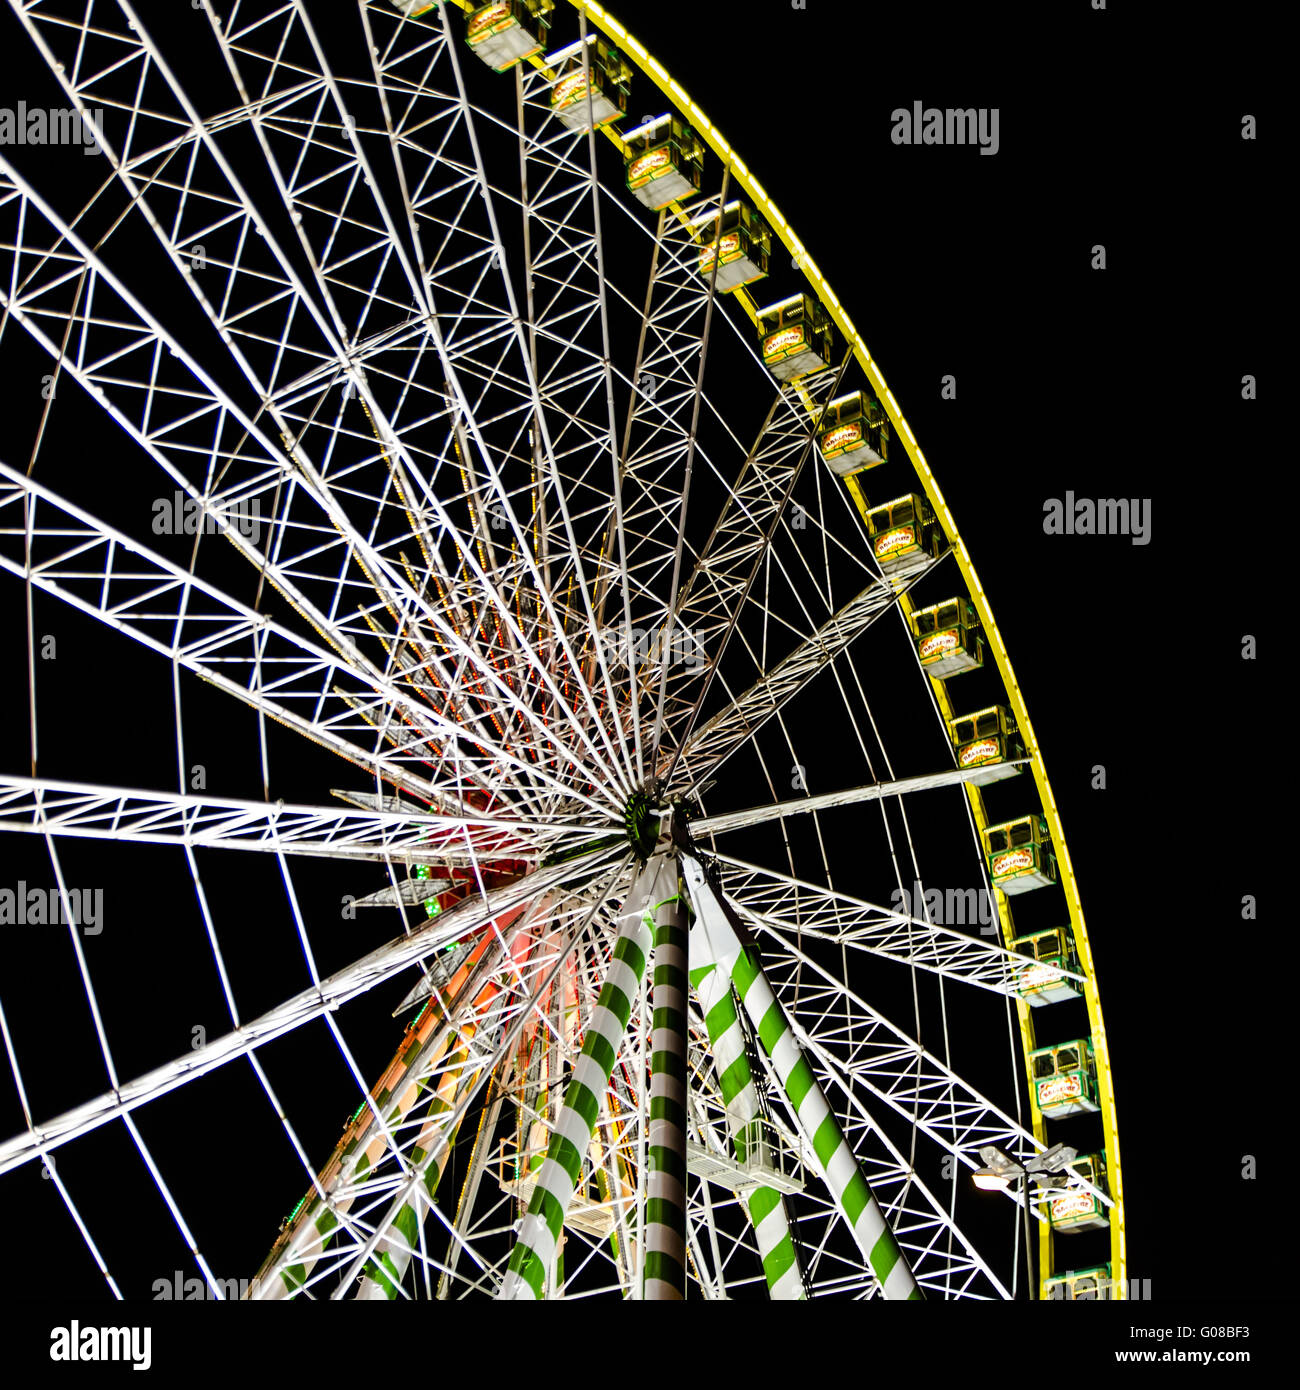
<point x="431" y="908"/>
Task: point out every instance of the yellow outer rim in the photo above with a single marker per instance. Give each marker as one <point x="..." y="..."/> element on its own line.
<point x="682" y="102"/>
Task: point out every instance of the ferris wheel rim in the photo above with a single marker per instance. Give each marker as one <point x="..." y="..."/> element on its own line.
<point x="682" y="103"/>
<point x="671" y="89"/>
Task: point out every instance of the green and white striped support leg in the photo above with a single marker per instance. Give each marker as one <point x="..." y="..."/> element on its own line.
<point x="664" y="1274"/>
<point x="766" y="1206"/>
<point x="534" y="1250"/>
<point x="720" y="940"/>
<point x="385" y="1270"/>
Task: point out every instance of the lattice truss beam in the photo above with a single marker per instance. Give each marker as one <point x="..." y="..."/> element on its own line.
<point x="518" y="632"/>
<point x="178" y="177"/>
<point x="464" y="496"/>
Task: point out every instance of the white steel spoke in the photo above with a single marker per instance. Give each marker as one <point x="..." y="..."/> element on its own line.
<point x="477" y="479"/>
<point x="403" y="836"/>
<point x="334" y="991"/>
<point x="790" y="908"/>
<point x="853" y="796"/>
<point x="107" y="575"/>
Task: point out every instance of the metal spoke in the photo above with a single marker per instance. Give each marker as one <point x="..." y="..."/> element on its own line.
<point x="484" y="475"/>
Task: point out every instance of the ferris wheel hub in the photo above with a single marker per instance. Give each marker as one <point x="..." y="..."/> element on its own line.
<point x="641" y="817"/>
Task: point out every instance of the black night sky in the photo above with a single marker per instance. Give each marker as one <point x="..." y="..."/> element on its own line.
<point x="1116" y="130"/>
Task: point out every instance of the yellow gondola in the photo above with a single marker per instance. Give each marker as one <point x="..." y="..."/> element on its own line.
<point x="509" y="31"/>
<point x="1019" y="854"/>
<point x="664" y="161"/>
<point x="948" y="640"/>
<point x="1044" y="983"/>
<point x="1075" y="1208"/>
<point x="796" y="337"/>
<point x="988" y="740"/>
<point x="741" y="239"/>
<point x="609" y="78"/>
<point x="854" y="434"/>
<point x="905" y="537"/>
<point x="1064" y="1078"/>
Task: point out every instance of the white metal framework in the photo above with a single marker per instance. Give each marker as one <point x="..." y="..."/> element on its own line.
<point x="495" y="501"/>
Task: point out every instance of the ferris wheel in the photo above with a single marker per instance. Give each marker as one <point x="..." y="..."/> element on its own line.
<point x="516" y="462"/>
